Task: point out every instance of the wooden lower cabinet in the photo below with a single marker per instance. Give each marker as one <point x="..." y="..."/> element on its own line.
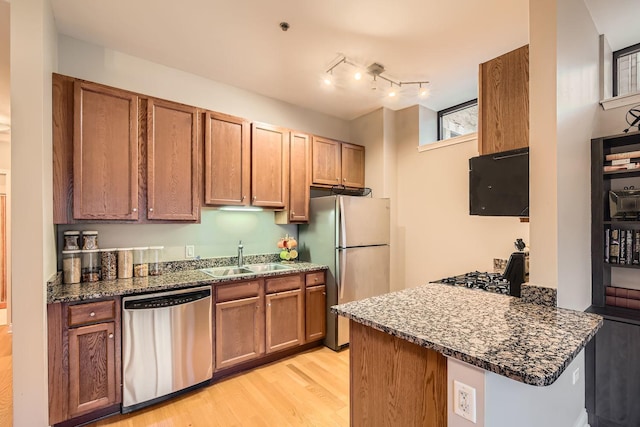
<point x="239" y="331"/>
<point x="315" y="313"/>
<point x="92" y="373"/>
<point x="284" y="320"/>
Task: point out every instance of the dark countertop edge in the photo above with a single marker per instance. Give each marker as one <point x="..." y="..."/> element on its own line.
<point x="177" y="285"/>
<point x="535" y="380"/>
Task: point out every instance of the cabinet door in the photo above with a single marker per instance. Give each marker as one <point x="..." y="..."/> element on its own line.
<point x="269" y="166"/>
<point x="227" y="160"/>
<point x="284" y="318"/>
<point x="105" y="153"/>
<point x="352" y="165"/>
<point x="300" y="154"/>
<point x="325" y="161"/>
<point x="316" y="313"/>
<point x="503" y="114"/>
<point x="617" y="369"/>
<point x="172" y="161"/>
<point x="92" y="368"/>
<point x="239" y="331"/>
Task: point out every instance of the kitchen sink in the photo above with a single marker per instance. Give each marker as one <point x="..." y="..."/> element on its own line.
<point x="227" y="271"/>
<point x="263" y="268"/>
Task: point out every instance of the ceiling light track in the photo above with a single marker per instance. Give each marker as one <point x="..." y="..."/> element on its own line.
<point x="376" y="71"/>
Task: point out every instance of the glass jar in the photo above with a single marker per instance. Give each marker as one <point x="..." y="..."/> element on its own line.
<point x="140" y="266"/>
<point x="89" y="240"/>
<point x="109" y="264"/>
<point x="71" y="267"/>
<point x="90" y="265"/>
<point x="125" y="263"/>
<point x="71" y="240"/>
<point x="155" y="254"/>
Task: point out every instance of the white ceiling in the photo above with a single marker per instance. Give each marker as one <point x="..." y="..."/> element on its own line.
<point x="617" y="20"/>
<point x="240" y="43"/>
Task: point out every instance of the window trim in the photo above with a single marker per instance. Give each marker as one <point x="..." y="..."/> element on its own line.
<point x="617" y="54"/>
<point x="453" y="109"/>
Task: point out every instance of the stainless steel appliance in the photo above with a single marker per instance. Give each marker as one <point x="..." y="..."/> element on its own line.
<point x="166" y="345"/>
<point x="350" y="235"/>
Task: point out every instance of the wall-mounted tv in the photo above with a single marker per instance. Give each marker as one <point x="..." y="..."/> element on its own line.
<point x="499" y="184"/>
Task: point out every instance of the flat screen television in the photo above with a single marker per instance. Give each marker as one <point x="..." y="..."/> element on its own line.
<point x="499" y="184"/>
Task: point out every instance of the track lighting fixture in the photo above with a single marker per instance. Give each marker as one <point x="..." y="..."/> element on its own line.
<point x="376" y="71"/>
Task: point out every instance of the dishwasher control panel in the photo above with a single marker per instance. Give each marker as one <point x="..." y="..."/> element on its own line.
<point x="166" y="300"/>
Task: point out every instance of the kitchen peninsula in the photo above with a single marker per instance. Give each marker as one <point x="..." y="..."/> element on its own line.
<point x="407" y="348"/>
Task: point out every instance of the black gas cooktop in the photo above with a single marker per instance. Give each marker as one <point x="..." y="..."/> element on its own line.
<point x="491" y="282"/>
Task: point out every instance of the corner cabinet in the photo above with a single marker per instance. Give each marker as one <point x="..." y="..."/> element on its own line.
<point x="503" y="102"/>
<point x="105" y="153"/>
<point x="227" y="160"/>
<point x="336" y="163"/>
<point x="173" y="187"/>
<point x="613" y="357"/>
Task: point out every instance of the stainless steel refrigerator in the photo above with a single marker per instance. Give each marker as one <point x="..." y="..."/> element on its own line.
<point x="350" y="235"/>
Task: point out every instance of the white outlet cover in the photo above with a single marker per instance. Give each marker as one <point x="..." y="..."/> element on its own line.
<point x="189" y="251"/>
<point x="576" y="375"/>
<point x="464" y="401"/>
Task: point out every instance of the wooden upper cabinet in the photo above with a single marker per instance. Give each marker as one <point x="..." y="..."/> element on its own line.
<point x="326" y="161"/>
<point x="172" y="161"/>
<point x="352" y="165"/>
<point x="299" y="177"/>
<point x="503" y="115"/>
<point x="269" y="165"/>
<point x="227" y="160"/>
<point x="105" y="153"/>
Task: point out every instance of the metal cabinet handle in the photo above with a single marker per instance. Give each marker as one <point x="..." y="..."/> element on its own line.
<point x="324" y="293"/>
<point x="92" y="314"/>
<point x="111" y="336"/>
<point x="135" y="209"/>
<point x="344" y="179"/>
<point x="255" y="197"/>
<point x="243" y="197"/>
<point x="293" y="213"/>
<point x="150" y="209"/>
<point x="315" y="279"/>
<point x="337" y="179"/>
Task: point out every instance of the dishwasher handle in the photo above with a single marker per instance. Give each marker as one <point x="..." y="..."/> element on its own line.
<point x="167" y="300"/>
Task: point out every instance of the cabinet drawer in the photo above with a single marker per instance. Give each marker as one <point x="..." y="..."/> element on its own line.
<point x="315" y="278"/>
<point x="280" y="284"/>
<point x="91" y="312"/>
<point x="237" y="291"/>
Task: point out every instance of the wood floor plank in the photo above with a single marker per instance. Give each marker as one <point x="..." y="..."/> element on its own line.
<point x="6" y="388"/>
<point x="308" y="389"/>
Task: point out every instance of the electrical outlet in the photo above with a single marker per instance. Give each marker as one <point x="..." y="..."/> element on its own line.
<point x="576" y="375"/>
<point x="464" y="401"/>
<point x="189" y="251"/>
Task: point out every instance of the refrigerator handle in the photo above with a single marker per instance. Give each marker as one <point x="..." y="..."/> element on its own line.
<point x="343" y="271"/>
<point x="343" y="225"/>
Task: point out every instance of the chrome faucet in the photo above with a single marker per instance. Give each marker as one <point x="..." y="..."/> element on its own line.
<point x="240" y="254"/>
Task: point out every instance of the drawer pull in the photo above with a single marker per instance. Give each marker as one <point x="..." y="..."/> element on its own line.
<point x="110" y="336"/>
<point x="92" y="314"/>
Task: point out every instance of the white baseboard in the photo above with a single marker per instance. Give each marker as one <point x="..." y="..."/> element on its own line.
<point x="583" y="420"/>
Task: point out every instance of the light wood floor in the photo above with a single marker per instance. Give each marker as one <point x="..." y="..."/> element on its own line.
<point x="309" y="389"/>
<point x="6" y="394"/>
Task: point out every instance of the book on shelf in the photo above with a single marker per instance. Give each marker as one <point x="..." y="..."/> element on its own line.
<point x="622" y="297"/>
<point x="607" y="238"/>
<point x="636" y="247"/>
<point x="626" y="155"/>
<point x="630" y="247"/>
<point x="614" y="246"/>
<point x="622" y="256"/>
<point x="619" y="162"/>
<point x="628" y="166"/>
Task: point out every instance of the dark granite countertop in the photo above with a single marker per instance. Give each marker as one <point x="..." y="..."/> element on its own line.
<point x="59" y="292"/>
<point x="529" y="343"/>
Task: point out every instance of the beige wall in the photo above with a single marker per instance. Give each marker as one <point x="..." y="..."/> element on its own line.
<point x="5" y="154"/>
<point x="577" y="104"/>
<point x="33" y="58"/>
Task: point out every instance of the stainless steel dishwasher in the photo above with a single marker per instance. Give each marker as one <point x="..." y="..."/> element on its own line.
<point x="166" y="345"/>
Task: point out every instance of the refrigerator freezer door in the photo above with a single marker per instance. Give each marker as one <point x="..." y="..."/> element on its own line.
<point x="363" y="221"/>
<point x="363" y="273"/>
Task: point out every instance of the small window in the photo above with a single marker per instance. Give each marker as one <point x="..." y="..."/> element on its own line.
<point x="458" y="120"/>
<point x="626" y="78"/>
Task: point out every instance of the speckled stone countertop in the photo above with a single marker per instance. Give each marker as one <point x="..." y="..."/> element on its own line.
<point x="529" y="343"/>
<point x="58" y="292"/>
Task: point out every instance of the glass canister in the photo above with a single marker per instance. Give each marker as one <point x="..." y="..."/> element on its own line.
<point x="155" y="254"/>
<point x="125" y="263"/>
<point x="71" y="266"/>
<point x="140" y="266"/>
<point x="90" y="265"/>
<point x="71" y="240"/>
<point x="109" y="263"/>
<point x="89" y="240"/>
